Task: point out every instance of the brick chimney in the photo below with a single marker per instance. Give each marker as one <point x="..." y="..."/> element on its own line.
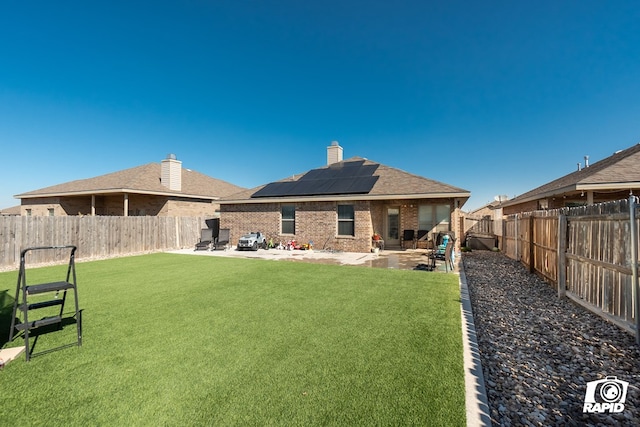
<point x="171" y="176"/>
<point x="334" y="153"/>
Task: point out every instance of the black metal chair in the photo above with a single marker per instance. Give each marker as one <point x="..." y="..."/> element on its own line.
<point x="222" y="240"/>
<point x="206" y="239"/>
<point x="408" y="235"/>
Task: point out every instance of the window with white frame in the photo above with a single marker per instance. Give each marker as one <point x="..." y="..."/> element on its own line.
<point x="288" y="221"/>
<point x="346" y="220"/>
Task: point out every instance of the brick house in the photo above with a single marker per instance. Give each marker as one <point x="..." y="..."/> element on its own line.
<point x="155" y="189"/>
<point x="612" y="178"/>
<point x="12" y="211"/>
<point x="342" y="204"/>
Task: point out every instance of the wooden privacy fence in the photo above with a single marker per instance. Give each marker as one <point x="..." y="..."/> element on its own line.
<point x="481" y="225"/>
<point x="588" y="253"/>
<point x="95" y="236"/>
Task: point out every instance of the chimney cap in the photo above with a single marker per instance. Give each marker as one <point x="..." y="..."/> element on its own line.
<point x="334" y="143"/>
<point x="171" y="156"/>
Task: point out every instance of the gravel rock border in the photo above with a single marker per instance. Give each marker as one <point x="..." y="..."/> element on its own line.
<point x="538" y="351"/>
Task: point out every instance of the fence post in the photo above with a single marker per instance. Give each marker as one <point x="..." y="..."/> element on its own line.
<point x="562" y="255"/>
<point x="532" y="251"/>
<point x="503" y="244"/>
<point x="634" y="263"/>
<point x="177" y="224"/>
<point x="516" y="238"/>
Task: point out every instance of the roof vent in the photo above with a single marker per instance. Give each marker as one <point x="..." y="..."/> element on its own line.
<point x="171" y="174"/>
<point x="334" y="153"/>
<point x="586" y="161"/>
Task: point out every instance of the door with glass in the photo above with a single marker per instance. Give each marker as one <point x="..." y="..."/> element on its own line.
<point x="392" y="231"/>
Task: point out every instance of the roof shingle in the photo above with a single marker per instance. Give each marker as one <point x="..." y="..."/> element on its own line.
<point x="621" y="167"/>
<point x="390" y="182"/>
<point x="145" y="179"/>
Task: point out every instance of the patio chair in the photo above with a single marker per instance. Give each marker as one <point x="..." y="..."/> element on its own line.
<point x="408" y="235"/>
<point x="448" y="256"/>
<point x="443" y="253"/>
<point x="222" y="240"/>
<point x="206" y="239"/>
<point x="440" y="244"/>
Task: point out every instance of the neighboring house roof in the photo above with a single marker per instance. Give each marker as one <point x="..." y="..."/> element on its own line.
<point x="617" y="172"/>
<point x="13" y="210"/>
<point x="143" y="179"/>
<point x="487" y="207"/>
<point x="375" y="182"/>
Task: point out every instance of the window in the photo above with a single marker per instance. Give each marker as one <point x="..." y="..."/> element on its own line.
<point x="434" y="218"/>
<point x="346" y="220"/>
<point x="425" y="217"/>
<point x="288" y="219"/>
<point x="28" y="211"/>
<point x="51" y="213"/>
<point x="443" y="216"/>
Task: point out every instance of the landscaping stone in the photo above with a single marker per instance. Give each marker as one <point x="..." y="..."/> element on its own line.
<point x="538" y="352"/>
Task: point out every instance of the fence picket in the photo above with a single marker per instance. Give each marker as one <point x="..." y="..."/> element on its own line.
<point x="96" y="236"/>
<point x="596" y="262"/>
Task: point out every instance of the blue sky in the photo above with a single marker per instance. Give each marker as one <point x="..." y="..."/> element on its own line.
<point x="495" y="97"/>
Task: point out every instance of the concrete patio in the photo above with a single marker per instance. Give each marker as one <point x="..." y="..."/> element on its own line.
<point x="406" y="259"/>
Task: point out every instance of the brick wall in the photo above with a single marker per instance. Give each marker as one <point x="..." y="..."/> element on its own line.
<point x="315" y="222"/>
<point x="41" y="206"/>
<point x="191" y="207"/>
<point x="241" y="219"/>
<point x="522" y="207"/>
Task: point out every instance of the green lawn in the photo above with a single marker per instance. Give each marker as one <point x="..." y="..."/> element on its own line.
<point x="193" y="340"/>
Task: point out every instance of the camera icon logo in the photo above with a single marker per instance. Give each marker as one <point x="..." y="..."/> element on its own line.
<point x="606" y="395"/>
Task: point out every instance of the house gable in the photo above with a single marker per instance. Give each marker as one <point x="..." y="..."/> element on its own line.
<point x="136" y="191"/>
<point x="608" y="179"/>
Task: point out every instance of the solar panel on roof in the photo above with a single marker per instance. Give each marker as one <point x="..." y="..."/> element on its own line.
<point x="341" y="178"/>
